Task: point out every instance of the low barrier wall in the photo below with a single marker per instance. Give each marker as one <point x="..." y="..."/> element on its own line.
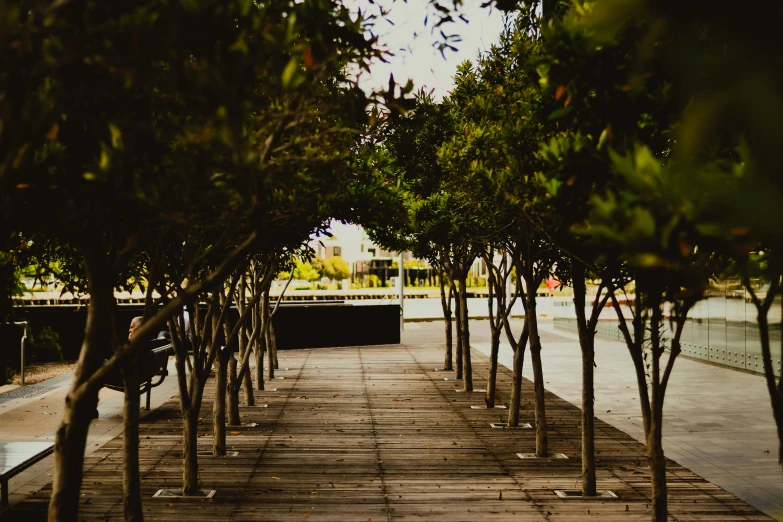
<point x="296" y="326"/>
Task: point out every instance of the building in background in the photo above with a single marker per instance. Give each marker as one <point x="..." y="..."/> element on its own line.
<point x="372" y="265"/>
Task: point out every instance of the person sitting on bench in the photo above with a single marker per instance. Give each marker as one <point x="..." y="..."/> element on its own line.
<point x="134" y="325"/>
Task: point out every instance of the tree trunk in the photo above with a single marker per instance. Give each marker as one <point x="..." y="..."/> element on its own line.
<point x="587" y="344"/>
<point x="247" y="380"/>
<point x="445" y="302"/>
<point x="71" y="437"/>
<point x="219" y="404"/>
<point x="131" y="477"/>
<point x="774" y="390"/>
<point x="267" y="315"/>
<point x="467" y="369"/>
<point x="516" y="385"/>
<point x="655" y="431"/>
<point x="258" y="345"/>
<point x="493" y="368"/>
<point x="233" y="392"/>
<point x="273" y="344"/>
<point x="221" y="380"/>
<point x="458" y="321"/>
<point x="542" y="442"/>
<point x="496" y="297"/>
<point x="259" y="348"/>
<point x="657" y="466"/>
<point x="588" y="419"/>
<point x="190" y="452"/>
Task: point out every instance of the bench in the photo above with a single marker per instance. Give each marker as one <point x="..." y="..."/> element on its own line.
<point x="151" y="364"/>
<point x="16" y="457"/>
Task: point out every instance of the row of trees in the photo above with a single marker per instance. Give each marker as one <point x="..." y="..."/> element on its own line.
<point x="191" y="148"/>
<point x="194" y="147"/>
<point x="624" y="143"/>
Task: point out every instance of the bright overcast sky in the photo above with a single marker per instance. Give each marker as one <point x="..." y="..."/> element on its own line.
<point x="415" y="57"/>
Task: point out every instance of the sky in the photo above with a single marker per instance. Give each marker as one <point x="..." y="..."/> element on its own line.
<point x="417" y="59"/>
<point x="411" y="42"/>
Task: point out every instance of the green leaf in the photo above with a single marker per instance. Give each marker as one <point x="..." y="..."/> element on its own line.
<point x="240" y="45"/>
<point x="559" y="113"/>
<point x="116" y="136"/>
<point x="292" y="75"/>
<point x="643" y="222"/>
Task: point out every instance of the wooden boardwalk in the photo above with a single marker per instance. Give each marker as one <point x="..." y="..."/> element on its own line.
<point x="374" y="433"/>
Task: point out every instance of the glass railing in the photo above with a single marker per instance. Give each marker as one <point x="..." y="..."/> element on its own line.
<point x="721" y="329"/>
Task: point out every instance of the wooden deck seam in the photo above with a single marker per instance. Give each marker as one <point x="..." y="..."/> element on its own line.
<point x="379" y="460"/>
<point x="467" y="422"/>
<point x="259" y="460"/>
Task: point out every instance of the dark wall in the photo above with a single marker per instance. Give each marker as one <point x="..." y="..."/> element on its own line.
<point x="69" y="322"/>
<point x="321" y="326"/>
<point x="296" y="325"/>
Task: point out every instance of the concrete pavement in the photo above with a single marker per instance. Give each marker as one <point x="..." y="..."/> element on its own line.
<point x="37" y="419"/>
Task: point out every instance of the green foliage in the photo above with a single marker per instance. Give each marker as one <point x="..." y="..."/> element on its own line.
<point x="10" y="286"/>
<point x="44" y="346"/>
<point x="336" y="268"/>
<point x="373" y="281"/>
<point x="305" y="271"/>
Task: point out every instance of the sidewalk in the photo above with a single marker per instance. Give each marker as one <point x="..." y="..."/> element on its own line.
<point x="37" y="419"/>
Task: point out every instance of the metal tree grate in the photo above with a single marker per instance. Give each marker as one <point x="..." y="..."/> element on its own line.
<point x="502" y="425"/>
<point x="533" y="456"/>
<point x="577" y="494"/>
<point x="209" y="454"/>
<point x="34" y="390"/>
<point x="172" y="494"/>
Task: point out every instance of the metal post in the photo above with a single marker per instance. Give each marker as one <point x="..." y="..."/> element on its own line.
<point x="24" y="336"/>
<point x="402" y="292"/>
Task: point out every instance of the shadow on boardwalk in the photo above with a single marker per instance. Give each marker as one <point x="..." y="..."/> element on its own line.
<point x="374" y="433"/>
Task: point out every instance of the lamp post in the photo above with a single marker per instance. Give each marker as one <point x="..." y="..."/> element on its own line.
<point x="24" y="336"/>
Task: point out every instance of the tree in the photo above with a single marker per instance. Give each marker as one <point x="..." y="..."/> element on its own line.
<point x="410" y="159"/>
<point x="98" y="108"/>
<point x="625" y="204"/>
<point x="336" y="268"/>
<point x="305" y="271"/>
